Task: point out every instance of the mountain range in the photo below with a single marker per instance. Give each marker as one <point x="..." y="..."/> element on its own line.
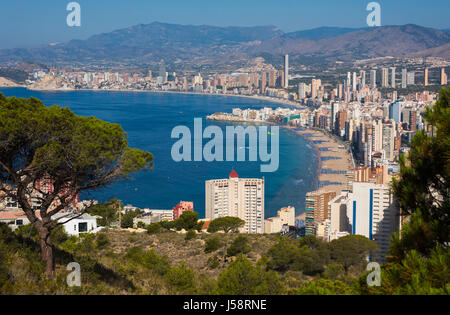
<point x="210" y="45"/>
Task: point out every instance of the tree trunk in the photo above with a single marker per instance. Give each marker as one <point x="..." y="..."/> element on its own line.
<point x="47" y="251"/>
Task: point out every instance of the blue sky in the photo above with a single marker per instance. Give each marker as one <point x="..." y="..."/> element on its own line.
<point x="26" y="23"/>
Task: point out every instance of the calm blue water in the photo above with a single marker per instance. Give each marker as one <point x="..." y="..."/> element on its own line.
<point x="148" y="119"/>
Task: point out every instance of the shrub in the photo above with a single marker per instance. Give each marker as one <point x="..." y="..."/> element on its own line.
<point x="190" y="235"/>
<point x="242" y="278"/>
<point x="213" y="244"/>
<point x="101" y="241"/>
<point x="239" y="246"/>
<point x="154" y="228"/>
<point x="181" y="277"/>
<point x="213" y="262"/>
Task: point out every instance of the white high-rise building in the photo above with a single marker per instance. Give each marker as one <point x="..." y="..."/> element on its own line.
<point x="404" y="78"/>
<point x="286" y="216"/>
<point x="388" y="140"/>
<point x="393" y="76"/>
<point x="301" y="91"/>
<point x="373" y="79"/>
<point x="237" y="197"/>
<point x="286" y="71"/>
<point x="385" y="77"/>
<point x="369" y="210"/>
<point x="333" y="112"/>
<point x="362" y="74"/>
<point x="411" y="78"/>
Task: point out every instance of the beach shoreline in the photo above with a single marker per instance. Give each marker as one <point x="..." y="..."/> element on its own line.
<point x="334" y="159"/>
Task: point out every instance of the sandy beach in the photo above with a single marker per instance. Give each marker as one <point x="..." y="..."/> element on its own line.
<point x="335" y="160"/>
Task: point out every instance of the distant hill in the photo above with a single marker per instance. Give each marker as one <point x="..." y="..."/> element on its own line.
<point x="321" y="32"/>
<point x="210" y="45"/>
<point x="441" y="51"/>
<point x="365" y="43"/>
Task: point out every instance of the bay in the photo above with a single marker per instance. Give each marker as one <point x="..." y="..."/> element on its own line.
<point x="148" y="119"/>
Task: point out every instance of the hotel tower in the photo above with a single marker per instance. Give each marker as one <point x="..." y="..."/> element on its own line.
<point x="237" y="197"/>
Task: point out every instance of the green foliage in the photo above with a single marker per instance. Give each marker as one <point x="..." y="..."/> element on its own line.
<point x="422" y="188"/>
<point x="334" y="271"/>
<point x="242" y="278"/>
<point x="107" y="211"/>
<point x="57" y="235"/>
<point x="312" y="255"/>
<point x="226" y="224"/>
<point x="212" y="244"/>
<point x="213" y="262"/>
<point x="324" y="287"/>
<point x="150" y="259"/>
<point x="283" y="255"/>
<point x="167" y="225"/>
<point x="352" y="250"/>
<point x="191" y="234"/>
<point x="182" y="277"/>
<point x="101" y="241"/>
<point x="128" y="217"/>
<point x="188" y="221"/>
<point x="154" y="228"/>
<point x="55" y="141"/>
<point x="239" y="246"/>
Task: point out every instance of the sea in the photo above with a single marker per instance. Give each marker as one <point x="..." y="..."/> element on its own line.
<point x="148" y="119"/>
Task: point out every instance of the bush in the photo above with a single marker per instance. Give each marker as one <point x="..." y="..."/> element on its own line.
<point x="154" y="228"/>
<point x="213" y="262"/>
<point x="101" y="241"/>
<point x="242" y="278"/>
<point x="213" y="244"/>
<point x="239" y="246"/>
<point x="190" y="235"/>
<point x="181" y="277"/>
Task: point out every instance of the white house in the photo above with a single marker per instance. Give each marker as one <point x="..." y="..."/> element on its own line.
<point x="82" y="224"/>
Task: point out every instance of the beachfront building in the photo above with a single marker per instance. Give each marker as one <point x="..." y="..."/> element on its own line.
<point x="237" y="197"/>
<point x="316" y="208"/>
<point x="369" y="210"/>
<point x="153" y="216"/>
<point x="182" y="207"/>
<point x="286" y="216"/>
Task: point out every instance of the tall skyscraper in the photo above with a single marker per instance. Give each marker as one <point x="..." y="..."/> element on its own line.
<point x="362" y="74"/>
<point x="301" y="91"/>
<point x="316" y="208"/>
<point x="373" y="78"/>
<point x="369" y="210"/>
<point x="444" y="79"/>
<point x="237" y="197"/>
<point x="389" y="140"/>
<point x="393" y="77"/>
<point x="286" y="71"/>
<point x="354" y="82"/>
<point x="425" y="82"/>
<point x="333" y="112"/>
<point x="162" y="70"/>
<point x="395" y="110"/>
<point x="263" y="82"/>
<point x="404" y="78"/>
<point x="385" y="77"/>
<point x="411" y="78"/>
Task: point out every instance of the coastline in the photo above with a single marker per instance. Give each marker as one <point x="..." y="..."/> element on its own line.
<point x="255" y="97"/>
<point x="334" y="159"/>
